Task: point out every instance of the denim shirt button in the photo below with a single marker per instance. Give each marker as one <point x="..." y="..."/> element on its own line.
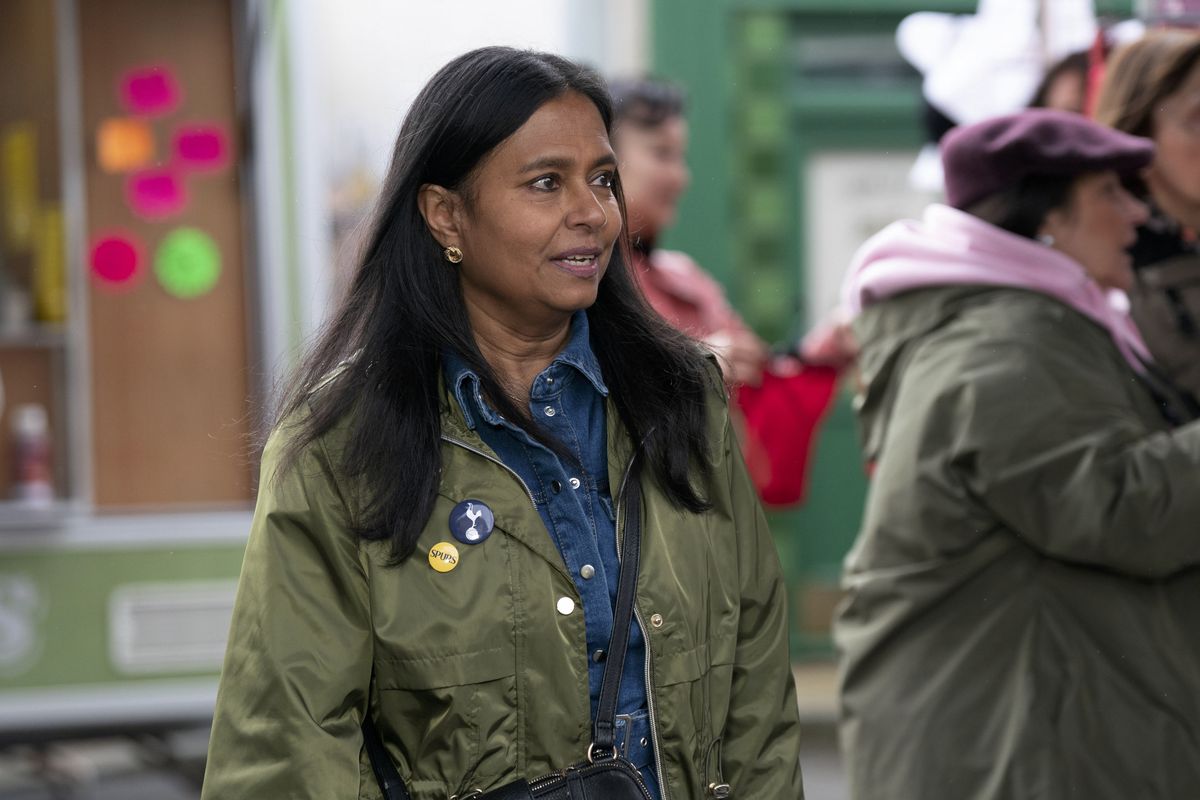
<point x="575" y="484"/>
<point x="587" y="571"/>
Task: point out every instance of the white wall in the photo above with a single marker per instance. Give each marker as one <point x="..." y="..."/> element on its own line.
<point x="377" y="54"/>
<point x="332" y="83"/>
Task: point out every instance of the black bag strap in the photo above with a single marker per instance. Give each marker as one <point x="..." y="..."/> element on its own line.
<point x="604" y="726"/>
<point x="385" y="771"/>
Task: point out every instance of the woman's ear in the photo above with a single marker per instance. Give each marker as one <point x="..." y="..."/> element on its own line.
<point x="440" y="208"/>
<point x="1052" y="225"/>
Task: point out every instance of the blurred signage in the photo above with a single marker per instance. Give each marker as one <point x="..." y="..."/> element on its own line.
<point x="1172" y="12"/>
<point x="851" y="196"/>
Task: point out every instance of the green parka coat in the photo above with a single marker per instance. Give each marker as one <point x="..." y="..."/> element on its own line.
<point x="1023" y="609"/>
<point x="474" y="676"/>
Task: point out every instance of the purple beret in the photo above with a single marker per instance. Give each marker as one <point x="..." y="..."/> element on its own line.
<point x="983" y="158"/>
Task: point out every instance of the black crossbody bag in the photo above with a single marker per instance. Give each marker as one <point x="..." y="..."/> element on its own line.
<point x="605" y="775"/>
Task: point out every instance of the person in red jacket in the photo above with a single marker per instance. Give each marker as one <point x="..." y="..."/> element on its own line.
<point x="782" y="399"/>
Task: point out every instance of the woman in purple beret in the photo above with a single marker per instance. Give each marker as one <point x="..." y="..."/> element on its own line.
<point x="1020" y="618"/>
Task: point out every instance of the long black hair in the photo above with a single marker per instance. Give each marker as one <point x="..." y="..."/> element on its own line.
<point x="376" y="365"/>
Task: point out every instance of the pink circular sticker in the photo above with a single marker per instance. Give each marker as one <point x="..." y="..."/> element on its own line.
<point x="116" y="259"/>
<point x="155" y="193"/>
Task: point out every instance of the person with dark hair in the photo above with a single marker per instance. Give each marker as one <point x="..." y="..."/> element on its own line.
<point x="431" y="578"/>
<point x="1064" y="86"/>
<point x="780" y="401"/>
<point x="1021" y="600"/>
<point x="1152" y="88"/>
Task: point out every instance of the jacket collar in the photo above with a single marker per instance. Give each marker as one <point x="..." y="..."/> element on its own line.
<point x="512" y="506"/>
<point x="576" y="354"/>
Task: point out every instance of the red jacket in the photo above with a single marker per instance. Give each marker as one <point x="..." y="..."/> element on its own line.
<point x="779" y="417"/>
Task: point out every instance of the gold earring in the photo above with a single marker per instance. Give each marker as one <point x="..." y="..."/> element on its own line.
<point x="453" y="254"/>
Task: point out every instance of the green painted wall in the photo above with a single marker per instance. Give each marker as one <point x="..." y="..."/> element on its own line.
<point x="56" y="608"/>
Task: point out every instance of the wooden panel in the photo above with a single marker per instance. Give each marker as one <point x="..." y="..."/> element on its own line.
<point x="28" y="89"/>
<point x="169" y="384"/>
<point x="28" y="94"/>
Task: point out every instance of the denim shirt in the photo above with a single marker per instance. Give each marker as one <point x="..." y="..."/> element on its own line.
<point x="567" y="400"/>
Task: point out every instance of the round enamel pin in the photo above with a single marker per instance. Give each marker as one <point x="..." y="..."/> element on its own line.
<point x="471" y="521"/>
<point x="443" y="556"/>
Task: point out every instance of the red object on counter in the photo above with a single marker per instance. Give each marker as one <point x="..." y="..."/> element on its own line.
<point x="781" y="417"/>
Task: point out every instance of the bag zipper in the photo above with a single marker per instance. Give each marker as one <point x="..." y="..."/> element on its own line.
<point x="552" y="778"/>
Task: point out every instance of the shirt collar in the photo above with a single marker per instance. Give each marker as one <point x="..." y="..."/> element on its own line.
<point x="577" y="354"/>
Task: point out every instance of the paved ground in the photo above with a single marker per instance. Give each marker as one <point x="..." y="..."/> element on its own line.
<point x="822" y="780"/>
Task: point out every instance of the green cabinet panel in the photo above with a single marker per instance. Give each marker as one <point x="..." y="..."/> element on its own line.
<point x="68" y="604"/>
<point x="121" y="627"/>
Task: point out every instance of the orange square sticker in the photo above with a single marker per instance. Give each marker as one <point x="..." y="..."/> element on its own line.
<point x="124" y="144"/>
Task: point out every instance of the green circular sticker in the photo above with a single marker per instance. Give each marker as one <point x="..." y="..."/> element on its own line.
<point x="187" y="263"/>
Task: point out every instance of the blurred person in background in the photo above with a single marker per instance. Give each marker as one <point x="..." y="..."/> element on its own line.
<point x="1008" y="55"/>
<point x="1064" y="85"/>
<point x="435" y="544"/>
<point x="1020" y="616"/>
<point x="1152" y="88"/>
<point x="782" y="399"/>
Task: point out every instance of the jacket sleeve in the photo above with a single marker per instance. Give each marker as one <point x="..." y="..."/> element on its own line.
<point x="760" y="746"/>
<point x="1063" y="458"/>
<point x="298" y="662"/>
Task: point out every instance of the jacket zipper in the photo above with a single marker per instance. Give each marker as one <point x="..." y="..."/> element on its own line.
<point x="662" y="784"/>
<point x="663" y="789"/>
<point x="494" y="460"/>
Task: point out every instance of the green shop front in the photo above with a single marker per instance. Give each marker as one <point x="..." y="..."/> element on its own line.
<point x="144" y="295"/>
<point x="805" y="121"/>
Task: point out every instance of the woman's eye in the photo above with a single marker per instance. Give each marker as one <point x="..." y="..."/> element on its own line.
<point x="546" y="183"/>
<point x="604" y="179"/>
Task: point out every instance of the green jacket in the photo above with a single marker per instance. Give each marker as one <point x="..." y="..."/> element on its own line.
<point x="1023" y="597"/>
<point x="473" y="676"/>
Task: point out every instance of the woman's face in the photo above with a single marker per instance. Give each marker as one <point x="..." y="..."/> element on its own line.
<point x="654" y="172"/>
<point x="1097" y="227"/>
<point x="1176" y="167"/>
<point x="539" y="219"/>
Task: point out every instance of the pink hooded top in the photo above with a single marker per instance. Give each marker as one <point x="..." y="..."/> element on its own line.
<point x="949" y="247"/>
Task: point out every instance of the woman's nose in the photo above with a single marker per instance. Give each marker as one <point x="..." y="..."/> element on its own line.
<point x="587" y="209"/>
<point x="1138" y="212"/>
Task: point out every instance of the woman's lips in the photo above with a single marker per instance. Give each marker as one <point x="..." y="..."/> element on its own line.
<point x="581" y="264"/>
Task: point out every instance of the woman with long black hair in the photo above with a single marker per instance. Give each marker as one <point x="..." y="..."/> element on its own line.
<point x="436" y="545"/>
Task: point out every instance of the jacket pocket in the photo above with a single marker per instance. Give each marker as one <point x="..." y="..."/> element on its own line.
<point x="452" y="717"/>
<point x="692" y="694"/>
